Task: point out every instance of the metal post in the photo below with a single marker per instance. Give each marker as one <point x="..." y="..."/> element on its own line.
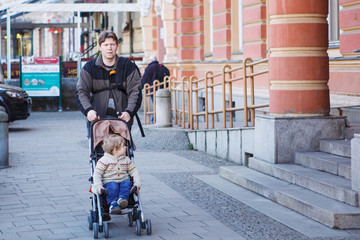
<point x="0" y="45"/>
<point x="78" y="44"/>
<point x="79" y="31"/>
<point x="8" y="50"/>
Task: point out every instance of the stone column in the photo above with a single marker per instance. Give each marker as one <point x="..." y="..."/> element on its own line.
<point x="299" y="73"/>
<point x="298" y="62"/>
<point x="168" y="16"/>
<point x="4" y="139"/>
<point x="148" y="25"/>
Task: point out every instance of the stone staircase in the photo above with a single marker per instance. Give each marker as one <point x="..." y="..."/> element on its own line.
<point x="318" y="185"/>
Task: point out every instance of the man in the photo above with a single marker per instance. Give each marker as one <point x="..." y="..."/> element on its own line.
<point x="109" y="85"/>
<point x="150" y="75"/>
<point x="151" y="72"/>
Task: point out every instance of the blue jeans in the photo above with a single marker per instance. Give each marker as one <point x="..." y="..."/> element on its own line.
<point x="118" y="190"/>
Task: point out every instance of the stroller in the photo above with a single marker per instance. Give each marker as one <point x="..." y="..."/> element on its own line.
<point x="99" y="214"/>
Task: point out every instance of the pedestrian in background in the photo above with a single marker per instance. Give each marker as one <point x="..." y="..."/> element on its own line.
<point x="151" y="72"/>
<point x="150" y="75"/>
<point x="109" y="85"/>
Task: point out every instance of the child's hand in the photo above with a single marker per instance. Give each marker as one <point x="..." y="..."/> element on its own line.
<point x="134" y="189"/>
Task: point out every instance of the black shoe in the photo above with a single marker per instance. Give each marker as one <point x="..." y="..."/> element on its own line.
<point x="106" y="217"/>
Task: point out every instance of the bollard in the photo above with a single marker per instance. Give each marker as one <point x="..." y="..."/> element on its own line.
<point x="4" y="139"/>
<point x="163" y="108"/>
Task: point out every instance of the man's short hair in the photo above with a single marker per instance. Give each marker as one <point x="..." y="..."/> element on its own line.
<point x="152" y="58"/>
<point x="107" y="34"/>
<point x="111" y="142"/>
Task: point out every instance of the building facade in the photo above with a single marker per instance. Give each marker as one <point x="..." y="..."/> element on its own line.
<point x="196" y="36"/>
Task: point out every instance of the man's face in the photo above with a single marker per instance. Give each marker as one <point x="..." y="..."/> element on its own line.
<point x="108" y="48"/>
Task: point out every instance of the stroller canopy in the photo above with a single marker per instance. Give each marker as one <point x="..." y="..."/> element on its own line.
<point x="103" y="128"/>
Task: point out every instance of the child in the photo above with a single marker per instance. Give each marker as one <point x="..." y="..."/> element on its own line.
<point x="112" y="173"/>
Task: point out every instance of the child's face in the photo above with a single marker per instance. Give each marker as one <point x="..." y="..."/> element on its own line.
<point x="121" y="151"/>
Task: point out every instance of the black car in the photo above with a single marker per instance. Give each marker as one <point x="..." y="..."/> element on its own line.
<point x="16" y="102"/>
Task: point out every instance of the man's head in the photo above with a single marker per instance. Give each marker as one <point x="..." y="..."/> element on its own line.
<point x="152" y="58"/>
<point x="108" y="45"/>
<point x="107" y="34"/>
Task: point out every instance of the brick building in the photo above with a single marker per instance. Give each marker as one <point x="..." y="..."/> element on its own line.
<point x="195" y="36"/>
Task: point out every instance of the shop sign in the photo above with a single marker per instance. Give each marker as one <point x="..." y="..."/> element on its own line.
<point x="40" y="76"/>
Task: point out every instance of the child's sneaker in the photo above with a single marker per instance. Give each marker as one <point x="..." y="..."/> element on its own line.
<point x="122" y="202"/>
<point x="114" y="208"/>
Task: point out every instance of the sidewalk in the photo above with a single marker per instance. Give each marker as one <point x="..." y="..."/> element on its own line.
<point x="44" y="194"/>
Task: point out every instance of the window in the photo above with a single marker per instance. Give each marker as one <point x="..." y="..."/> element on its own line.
<point x="333" y="20"/>
<point x="208" y="28"/>
<point x="211" y="26"/>
<point x="23" y="43"/>
<point x="240" y="26"/>
<point x="237" y="41"/>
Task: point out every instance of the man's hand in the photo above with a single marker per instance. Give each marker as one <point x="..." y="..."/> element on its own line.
<point x="92" y="116"/>
<point x="125" y="116"/>
<point x="99" y="190"/>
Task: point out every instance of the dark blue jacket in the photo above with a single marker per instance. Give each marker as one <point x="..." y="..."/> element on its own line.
<point x="151" y="73"/>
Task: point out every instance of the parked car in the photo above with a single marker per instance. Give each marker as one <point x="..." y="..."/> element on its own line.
<point x="16" y="102"/>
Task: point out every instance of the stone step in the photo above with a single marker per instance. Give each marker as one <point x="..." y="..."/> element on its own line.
<point x="336" y="147"/>
<point x="313" y="205"/>
<point x="325" y="162"/>
<point x="353" y="128"/>
<point x="294" y="220"/>
<point x="335" y="187"/>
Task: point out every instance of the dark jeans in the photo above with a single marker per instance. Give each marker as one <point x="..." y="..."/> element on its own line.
<point x="118" y="190"/>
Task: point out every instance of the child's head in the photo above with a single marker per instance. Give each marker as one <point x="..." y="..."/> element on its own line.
<point x="113" y="142"/>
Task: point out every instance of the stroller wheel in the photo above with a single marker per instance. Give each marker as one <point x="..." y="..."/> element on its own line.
<point x="148" y="226"/>
<point x="95" y="230"/>
<point x="90" y="222"/>
<point x="130" y="219"/>
<point x="106" y="229"/>
<point x="138" y="227"/>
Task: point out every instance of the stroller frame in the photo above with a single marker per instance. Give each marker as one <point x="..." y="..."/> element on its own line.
<point x="134" y="211"/>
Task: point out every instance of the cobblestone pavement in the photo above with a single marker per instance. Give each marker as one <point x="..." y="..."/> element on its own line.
<point x="44" y="194"/>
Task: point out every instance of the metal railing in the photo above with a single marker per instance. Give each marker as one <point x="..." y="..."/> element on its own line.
<point x="247" y="73"/>
<point x="340" y="108"/>
<point x="189" y="88"/>
<point x="150" y="99"/>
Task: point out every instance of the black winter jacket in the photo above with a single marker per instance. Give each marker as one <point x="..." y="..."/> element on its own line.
<point x="92" y="90"/>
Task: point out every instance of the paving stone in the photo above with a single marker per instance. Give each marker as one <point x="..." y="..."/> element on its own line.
<point x="12" y="236"/>
<point x="49" y="180"/>
<point x="35" y="234"/>
<point x="48" y="226"/>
